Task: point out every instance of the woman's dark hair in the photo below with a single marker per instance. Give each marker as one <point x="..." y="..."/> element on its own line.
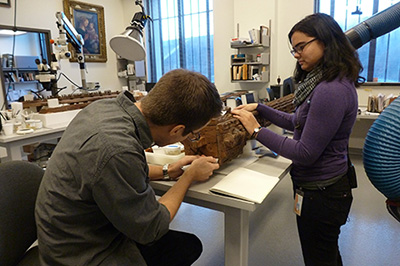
<point x="340" y="59"/>
<point x="182" y="97"/>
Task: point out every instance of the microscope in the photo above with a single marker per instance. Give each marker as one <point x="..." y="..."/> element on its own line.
<point x="67" y="34"/>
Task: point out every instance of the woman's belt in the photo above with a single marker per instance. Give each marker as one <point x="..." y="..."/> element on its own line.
<point x="319" y="184"/>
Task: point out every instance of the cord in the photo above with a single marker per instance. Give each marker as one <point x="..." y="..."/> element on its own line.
<point x="12" y="56"/>
<point x="73" y="83"/>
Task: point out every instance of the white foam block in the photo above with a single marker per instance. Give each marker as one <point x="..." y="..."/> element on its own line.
<point x="57" y="119"/>
<point x="161" y="159"/>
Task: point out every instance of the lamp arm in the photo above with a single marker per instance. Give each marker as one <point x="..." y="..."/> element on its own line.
<point x="377" y="25"/>
<point x="140" y="3"/>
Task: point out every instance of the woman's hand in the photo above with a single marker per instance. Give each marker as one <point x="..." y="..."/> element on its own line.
<point x="246" y="118"/>
<point x="248" y="107"/>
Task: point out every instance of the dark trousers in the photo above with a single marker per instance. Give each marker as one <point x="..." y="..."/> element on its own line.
<point x="173" y="249"/>
<point x="323" y="212"/>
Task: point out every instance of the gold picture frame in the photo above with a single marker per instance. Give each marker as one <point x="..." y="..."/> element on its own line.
<point x="88" y="20"/>
<point x="5" y="3"/>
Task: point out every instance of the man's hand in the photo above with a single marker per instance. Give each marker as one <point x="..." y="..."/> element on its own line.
<point x="175" y="169"/>
<point x="201" y="168"/>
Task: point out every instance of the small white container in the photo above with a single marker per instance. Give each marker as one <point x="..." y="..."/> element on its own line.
<point x="8" y="129"/>
<point x="17" y="126"/>
<point x="30" y="124"/>
<point x="38" y="123"/>
<point x="172" y="150"/>
<point x="52" y="103"/>
<point x="29" y="97"/>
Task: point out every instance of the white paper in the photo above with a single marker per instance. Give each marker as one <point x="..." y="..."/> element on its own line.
<point x="246" y="184"/>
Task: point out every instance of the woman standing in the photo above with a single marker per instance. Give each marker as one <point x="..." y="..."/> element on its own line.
<point x="327" y="71"/>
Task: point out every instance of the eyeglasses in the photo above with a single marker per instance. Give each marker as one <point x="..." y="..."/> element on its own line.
<point x="194" y="136"/>
<point x="300" y="47"/>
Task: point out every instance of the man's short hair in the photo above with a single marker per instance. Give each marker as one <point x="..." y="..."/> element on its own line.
<point x="182" y="97"/>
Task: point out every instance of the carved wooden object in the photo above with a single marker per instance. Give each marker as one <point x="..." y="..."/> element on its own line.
<point x="224" y="137"/>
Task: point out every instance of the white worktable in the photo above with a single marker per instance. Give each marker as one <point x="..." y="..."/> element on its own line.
<point x="14" y="142"/>
<point x="236" y="212"/>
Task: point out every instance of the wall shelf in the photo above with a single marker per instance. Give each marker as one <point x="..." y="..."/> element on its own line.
<point x="133" y="71"/>
<point x="19" y="81"/>
<point x="250" y="63"/>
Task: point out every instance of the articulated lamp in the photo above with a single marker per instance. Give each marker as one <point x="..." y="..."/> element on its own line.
<point x="129" y="44"/>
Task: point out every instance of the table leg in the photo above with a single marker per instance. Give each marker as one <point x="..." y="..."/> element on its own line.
<point x="13" y="153"/>
<point x="236" y="237"/>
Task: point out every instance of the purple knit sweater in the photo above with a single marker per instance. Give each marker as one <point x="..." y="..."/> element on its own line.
<point x="321" y="124"/>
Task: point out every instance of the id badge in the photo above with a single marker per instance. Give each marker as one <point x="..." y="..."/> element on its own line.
<point x="298" y="202"/>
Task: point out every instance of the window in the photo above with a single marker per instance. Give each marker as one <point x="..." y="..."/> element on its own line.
<point x="380" y="58"/>
<point x="180" y="35"/>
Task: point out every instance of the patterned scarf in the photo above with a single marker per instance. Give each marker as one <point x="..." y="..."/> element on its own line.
<point x="307" y="85"/>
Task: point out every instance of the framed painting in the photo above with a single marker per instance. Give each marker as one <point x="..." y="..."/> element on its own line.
<point x="88" y="20"/>
<point x="5" y="3"/>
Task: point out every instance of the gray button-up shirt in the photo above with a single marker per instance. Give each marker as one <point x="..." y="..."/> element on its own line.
<point x="95" y="201"/>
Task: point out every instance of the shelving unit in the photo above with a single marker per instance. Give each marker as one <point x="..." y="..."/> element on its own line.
<point x="17" y="75"/>
<point x="133" y="71"/>
<point x="19" y="81"/>
<point x="251" y="63"/>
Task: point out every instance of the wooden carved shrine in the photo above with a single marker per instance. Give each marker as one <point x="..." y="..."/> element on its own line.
<point x="224" y="137"/>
